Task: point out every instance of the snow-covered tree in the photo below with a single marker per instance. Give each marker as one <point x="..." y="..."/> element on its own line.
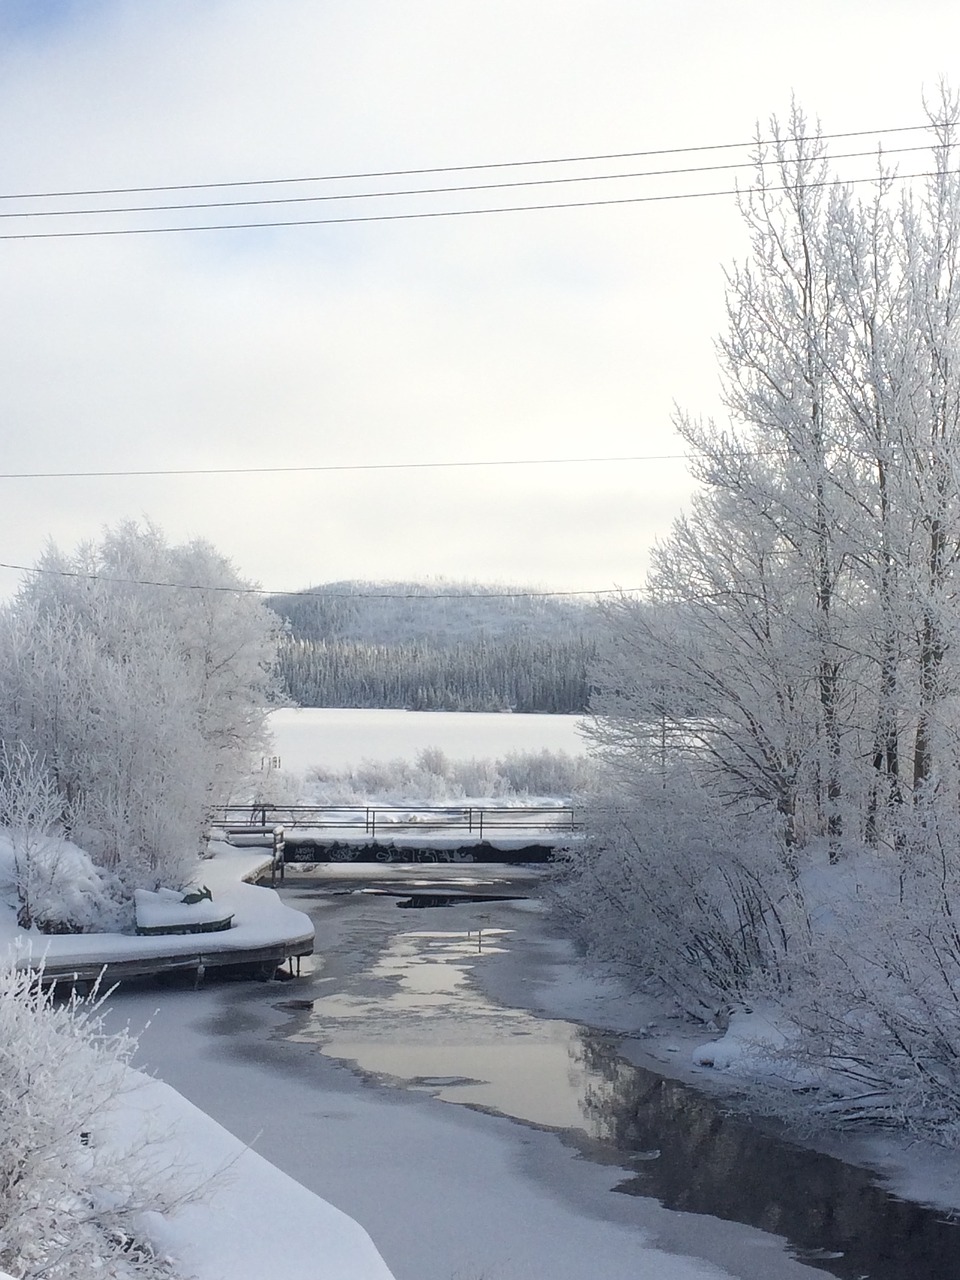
<point x="802" y="620"/>
<point x="140" y="675"/>
<point x="780" y="717"/>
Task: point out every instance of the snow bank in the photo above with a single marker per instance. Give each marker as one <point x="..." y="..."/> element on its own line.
<point x="747" y="1047"/>
<point x="252" y="1220"/>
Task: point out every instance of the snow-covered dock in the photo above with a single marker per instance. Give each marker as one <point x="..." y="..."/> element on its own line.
<point x="264" y="933"/>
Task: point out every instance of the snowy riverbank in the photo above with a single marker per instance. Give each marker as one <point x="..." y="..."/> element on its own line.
<point x="548" y="976"/>
<point x="259" y="922"/>
<point x="248" y="1220"/>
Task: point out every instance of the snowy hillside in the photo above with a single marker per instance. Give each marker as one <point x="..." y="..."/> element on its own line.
<point x="439" y="646"/>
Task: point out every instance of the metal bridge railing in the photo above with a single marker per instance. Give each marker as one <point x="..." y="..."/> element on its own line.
<point x="474" y="821"/>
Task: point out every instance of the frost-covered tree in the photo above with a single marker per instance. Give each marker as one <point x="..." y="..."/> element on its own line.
<point x="802" y="621"/>
<point x="796" y="664"/>
<point x="139" y="673"/>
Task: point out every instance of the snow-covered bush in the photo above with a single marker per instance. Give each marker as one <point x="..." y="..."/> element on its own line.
<point x="60" y="890"/>
<point x="73" y="1189"/>
<point x="477" y="776"/>
<point x="435" y="778"/>
<point x="678" y="892"/>
<point x="56" y="885"/>
<point x="878" y="1009"/>
<point x="546" y="773"/>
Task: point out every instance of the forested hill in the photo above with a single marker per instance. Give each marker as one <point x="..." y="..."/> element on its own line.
<point x="434" y="647"/>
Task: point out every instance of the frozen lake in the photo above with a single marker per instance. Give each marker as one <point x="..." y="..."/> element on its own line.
<point x="339" y="738"/>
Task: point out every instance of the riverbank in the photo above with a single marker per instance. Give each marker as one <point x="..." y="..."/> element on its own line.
<point x="263" y="930"/>
<point x="241" y="1218"/>
<point x="547" y="975"/>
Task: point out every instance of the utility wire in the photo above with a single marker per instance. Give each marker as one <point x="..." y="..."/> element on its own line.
<point x="456" y="168"/>
<point x="452" y="213"/>
<point x="345" y="595"/>
<point x="691" y="454"/>
<point x="346" y="466"/>
<point x="426" y="191"/>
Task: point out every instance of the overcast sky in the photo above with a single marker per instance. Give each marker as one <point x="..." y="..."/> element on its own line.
<point x="564" y="333"/>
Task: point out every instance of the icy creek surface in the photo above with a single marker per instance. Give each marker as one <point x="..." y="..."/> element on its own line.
<point x="344" y="1079"/>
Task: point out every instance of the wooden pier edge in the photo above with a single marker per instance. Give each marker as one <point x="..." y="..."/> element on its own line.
<point x="189" y="960"/>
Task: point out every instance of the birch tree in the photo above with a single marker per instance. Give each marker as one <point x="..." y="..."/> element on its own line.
<point x="797" y="658"/>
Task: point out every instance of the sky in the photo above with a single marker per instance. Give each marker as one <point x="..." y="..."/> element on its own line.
<point x="363" y="347"/>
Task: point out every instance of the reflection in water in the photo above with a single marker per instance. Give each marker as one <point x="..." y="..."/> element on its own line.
<point x="412" y="1016"/>
<point x="713" y="1162"/>
<point x="419" y="1020"/>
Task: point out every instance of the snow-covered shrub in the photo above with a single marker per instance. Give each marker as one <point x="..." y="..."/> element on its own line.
<point x="61" y="891"/>
<point x="433" y="760"/>
<point x="72" y="1189"/>
<point x="878" y="1010"/>
<point x="58" y="889"/>
<point x="277" y="787"/>
<point x="381" y="777"/>
<point x="546" y="773"/>
<point x="435" y="778"/>
<point x="477" y="777"/>
<point x="674" y="889"/>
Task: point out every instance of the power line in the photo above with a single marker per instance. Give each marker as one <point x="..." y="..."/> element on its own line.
<point x="692" y="453"/>
<point x="345" y="595"/>
<point x="422" y="191"/>
<point x="458" y="168"/>
<point x="332" y="467"/>
<point x="450" y="213"/>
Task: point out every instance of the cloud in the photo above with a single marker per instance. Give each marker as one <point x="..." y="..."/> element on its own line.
<point x="552" y="334"/>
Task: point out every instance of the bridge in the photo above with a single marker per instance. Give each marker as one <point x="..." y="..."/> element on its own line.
<point x="408" y="833"/>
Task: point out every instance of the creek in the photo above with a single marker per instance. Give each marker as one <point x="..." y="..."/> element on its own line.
<point x="401" y="997"/>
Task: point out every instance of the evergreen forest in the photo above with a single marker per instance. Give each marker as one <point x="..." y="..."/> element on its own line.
<point x="434" y="647"/>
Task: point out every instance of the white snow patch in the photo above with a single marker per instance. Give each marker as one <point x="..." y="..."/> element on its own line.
<point x="252" y="1220"/>
<point x="746" y="1047"/>
<point x="166" y="909"/>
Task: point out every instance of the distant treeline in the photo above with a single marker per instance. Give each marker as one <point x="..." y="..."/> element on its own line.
<point x="413" y="646"/>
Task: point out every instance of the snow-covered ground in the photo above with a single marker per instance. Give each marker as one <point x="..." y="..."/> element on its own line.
<point x="251" y="1221"/>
